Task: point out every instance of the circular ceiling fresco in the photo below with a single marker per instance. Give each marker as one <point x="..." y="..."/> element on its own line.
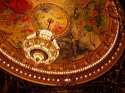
<point x="60" y="42"/>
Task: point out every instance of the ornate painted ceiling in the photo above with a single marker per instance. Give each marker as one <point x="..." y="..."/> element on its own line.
<point x="60" y="42"/>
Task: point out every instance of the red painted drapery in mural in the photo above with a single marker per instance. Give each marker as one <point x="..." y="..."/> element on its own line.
<point x="18" y="6"/>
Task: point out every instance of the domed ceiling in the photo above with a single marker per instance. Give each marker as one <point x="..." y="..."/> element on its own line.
<point x="60" y="42"/>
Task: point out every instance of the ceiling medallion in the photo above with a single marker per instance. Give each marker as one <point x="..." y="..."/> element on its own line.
<point x="60" y="43"/>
